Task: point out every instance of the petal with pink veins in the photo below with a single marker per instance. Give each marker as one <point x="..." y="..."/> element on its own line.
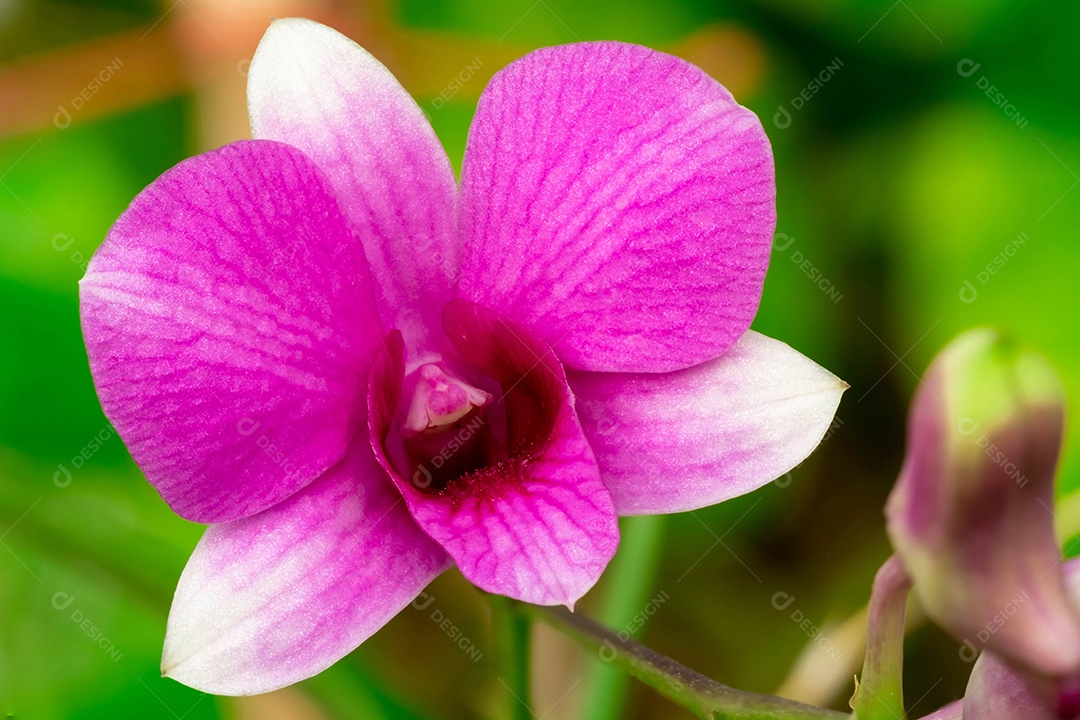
<point x="538" y="525"/>
<point x="620" y="203"/>
<point x="229" y="320"/>
<point x="314" y="88"/>
<point x="685" y="440"/>
<point x="273" y="599"/>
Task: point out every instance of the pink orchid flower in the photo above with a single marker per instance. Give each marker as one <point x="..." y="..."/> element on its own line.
<point x="358" y="371"/>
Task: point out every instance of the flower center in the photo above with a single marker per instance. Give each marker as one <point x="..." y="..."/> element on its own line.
<point x="439" y="401"/>
<point x="446" y="431"/>
<point x="468" y="426"/>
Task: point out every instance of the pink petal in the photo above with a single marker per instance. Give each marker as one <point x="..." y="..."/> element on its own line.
<point x="538" y="526"/>
<point x="229" y="321"/>
<point x="688" y="439"/>
<point x="272" y="599"/>
<point x="998" y="691"/>
<point x="315" y="89"/>
<point x="952" y="711"/>
<point x="619" y="202"/>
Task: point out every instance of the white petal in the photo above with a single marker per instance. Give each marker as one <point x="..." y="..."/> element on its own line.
<point x="275" y="598"/>
<point x="684" y="440"/>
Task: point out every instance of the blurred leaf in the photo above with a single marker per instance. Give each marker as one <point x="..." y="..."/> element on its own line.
<point x="554" y="22"/>
<point x="88" y="569"/>
<point x="910" y="29"/>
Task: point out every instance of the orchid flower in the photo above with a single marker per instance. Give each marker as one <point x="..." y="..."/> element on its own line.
<point x="359" y="371"/>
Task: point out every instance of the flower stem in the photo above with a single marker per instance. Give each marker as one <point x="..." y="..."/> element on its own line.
<point x="879" y="695"/>
<point x="512" y="639"/>
<point x="631" y="576"/>
<point x="695" y="692"/>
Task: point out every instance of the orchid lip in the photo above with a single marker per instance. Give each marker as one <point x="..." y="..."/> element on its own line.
<point x="524" y="513"/>
<point x="458" y="423"/>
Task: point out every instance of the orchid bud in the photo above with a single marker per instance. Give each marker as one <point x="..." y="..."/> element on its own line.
<point x="970" y="514"/>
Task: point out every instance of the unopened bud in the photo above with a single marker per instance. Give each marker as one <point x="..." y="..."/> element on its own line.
<point x="971" y="511"/>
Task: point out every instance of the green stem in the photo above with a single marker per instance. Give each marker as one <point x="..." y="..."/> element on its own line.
<point x="695" y="692"/>
<point x="512" y="641"/>
<point x="631" y="577"/>
<point x="880" y="693"/>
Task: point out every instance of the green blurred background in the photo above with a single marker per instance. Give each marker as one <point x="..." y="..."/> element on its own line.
<point x="927" y="157"/>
